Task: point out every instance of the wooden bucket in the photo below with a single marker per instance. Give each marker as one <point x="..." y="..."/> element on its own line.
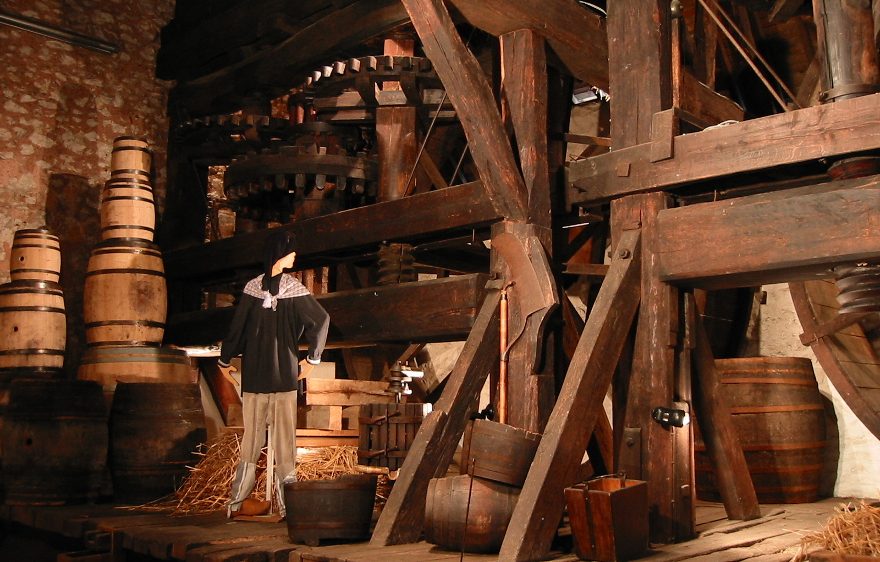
<point x="609" y="518"/>
<point x="127" y="210"/>
<point x="779" y="417"/>
<point x="32" y="325"/>
<point x="36" y="255"/>
<point x="341" y="508"/>
<point x="154" y="430"/>
<point x="386" y="433"/>
<point x="131" y="158"/>
<point x="125" y="295"/>
<point x="112" y="365"/>
<point x="54" y="442"/>
<point x="498" y="452"/>
<point x="469" y="514"/>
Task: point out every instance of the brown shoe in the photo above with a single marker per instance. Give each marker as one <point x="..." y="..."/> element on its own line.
<point x="251" y="506"/>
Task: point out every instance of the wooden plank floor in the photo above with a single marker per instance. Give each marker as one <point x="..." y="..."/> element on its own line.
<point x="211" y="538"/>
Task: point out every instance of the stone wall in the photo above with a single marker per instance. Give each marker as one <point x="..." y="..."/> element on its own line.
<point x="61" y="106"/>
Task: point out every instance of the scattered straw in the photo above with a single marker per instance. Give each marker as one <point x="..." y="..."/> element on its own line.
<point x="853" y="529"/>
<point x="209" y="483"/>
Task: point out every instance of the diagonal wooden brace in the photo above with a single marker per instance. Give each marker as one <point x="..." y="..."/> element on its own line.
<point x="541" y="501"/>
<point x="431" y="451"/>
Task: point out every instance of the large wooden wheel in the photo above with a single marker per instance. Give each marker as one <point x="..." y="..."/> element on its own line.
<point x="842" y="347"/>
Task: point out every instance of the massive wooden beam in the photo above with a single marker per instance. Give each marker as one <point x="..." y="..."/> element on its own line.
<point x="474" y="103"/>
<point x="539" y="508"/>
<point x="641" y="77"/>
<point x="434" y="310"/>
<point x="793" y="235"/>
<point x="651" y="381"/>
<point x="276" y="70"/>
<point x="524" y="83"/>
<point x="577" y="35"/>
<point x="449" y="209"/>
<point x="788" y="138"/>
<point x="431" y="452"/>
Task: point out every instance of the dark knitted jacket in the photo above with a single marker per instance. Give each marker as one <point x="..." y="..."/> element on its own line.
<point x="266" y="331"/>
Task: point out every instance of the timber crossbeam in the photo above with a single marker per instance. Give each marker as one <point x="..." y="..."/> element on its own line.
<point x="808" y="134"/>
<point x="792" y="235"/>
<point x="417" y="216"/>
<point x="446" y="311"/>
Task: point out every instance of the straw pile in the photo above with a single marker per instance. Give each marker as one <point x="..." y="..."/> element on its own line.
<point x="854" y="529"/>
<point x="207" y="487"/>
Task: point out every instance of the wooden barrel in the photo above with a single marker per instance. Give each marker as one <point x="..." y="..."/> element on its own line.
<point x="131" y="158"/>
<point x="498" y="452"/>
<point x="125" y="298"/>
<point x="7" y="376"/>
<point x="32" y="325"/>
<point x="35" y="255"/>
<point x="469" y="514"/>
<point x="386" y="432"/>
<point x="112" y="365"/>
<point x="54" y="442"/>
<point x="340" y="508"/>
<point x="779" y="417"/>
<point x="127" y="210"/>
<point x="154" y="429"/>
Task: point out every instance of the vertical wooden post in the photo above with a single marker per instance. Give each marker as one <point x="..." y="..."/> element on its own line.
<point x="396" y="135"/>
<point x="524" y="87"/>
<point x="650" y="455"/>
<point x="641" y="74"/>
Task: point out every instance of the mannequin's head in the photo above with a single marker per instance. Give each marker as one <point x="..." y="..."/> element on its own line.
<point x="279" y="250"/>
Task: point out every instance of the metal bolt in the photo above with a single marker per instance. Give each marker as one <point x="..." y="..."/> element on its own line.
<point x="630" y="441"/>
<point x="623" y="254"/>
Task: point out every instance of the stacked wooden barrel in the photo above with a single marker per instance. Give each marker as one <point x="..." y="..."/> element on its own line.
<point x="471" y="512"/>
<point x="32" y="317"/>
<point x="125" y="294"/>
<point x="125" y="305"/>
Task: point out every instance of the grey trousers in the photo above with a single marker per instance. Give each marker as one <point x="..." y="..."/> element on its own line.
<point x="275" y="412"/>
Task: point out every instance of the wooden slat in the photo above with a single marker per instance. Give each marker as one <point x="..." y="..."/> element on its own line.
<point x="577" y="408"/>
<point x="788" y="138"/>
<point x="705" y="104"/>
<point x="341" y="392"/>
<point x="431" y="451"/>
<point x="576" y="35"/>
<point x="471" y="94"/>
<point x="444" y="311"/>
<point x="769" y="238"/>
<point x="457" y="207"/>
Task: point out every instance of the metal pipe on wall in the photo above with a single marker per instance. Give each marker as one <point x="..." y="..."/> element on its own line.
<point x="58" y="33"/>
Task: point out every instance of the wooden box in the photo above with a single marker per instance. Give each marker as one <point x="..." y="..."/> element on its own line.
<point x="609" y="518"/>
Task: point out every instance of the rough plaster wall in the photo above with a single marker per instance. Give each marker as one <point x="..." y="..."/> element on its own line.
<point x="858" y="472"/>
<point x="60" y="108"/>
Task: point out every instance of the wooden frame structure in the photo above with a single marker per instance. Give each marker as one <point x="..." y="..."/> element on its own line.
<point x="658" y="250"/>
